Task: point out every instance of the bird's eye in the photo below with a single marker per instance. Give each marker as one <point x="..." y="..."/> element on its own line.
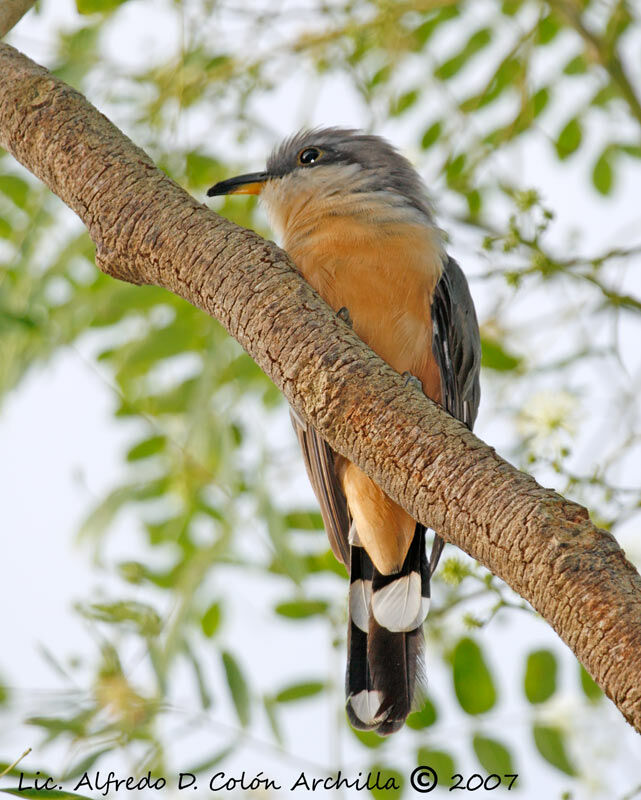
<point x="309" y="156"/>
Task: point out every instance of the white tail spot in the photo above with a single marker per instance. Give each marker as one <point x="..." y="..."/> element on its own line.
<point x="360" y="598"/>
<point x="365" y="705"/>
<point x="398" y="605"/>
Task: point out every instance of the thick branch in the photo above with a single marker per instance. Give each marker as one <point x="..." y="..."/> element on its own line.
<point x="148" y="230"/>
<point x="11" y="12"/>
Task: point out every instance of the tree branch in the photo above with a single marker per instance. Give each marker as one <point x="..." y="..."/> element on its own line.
<point x="601" y="52"/>
<point x="11" y="12"/>
<point x="148" y="230"/>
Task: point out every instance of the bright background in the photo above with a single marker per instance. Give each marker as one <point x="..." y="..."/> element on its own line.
<point x="197" y="620"/>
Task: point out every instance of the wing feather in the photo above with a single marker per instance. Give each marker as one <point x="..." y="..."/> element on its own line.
<point x="319" y="462"/>
<point x="456" y="346"/>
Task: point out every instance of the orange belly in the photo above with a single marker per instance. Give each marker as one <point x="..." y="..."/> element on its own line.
<point x="385" y="279"/>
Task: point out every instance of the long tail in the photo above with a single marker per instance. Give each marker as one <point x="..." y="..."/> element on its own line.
<point x="385" y="638"/>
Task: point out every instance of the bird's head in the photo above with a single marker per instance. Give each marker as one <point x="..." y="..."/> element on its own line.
<point x="334" y="171"/>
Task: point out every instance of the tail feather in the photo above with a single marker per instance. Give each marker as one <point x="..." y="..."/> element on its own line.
<point x="385" y="638"/>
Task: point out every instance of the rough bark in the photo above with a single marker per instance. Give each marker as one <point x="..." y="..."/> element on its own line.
<point x="11" y="12"/>
<point x="148" y="230"/>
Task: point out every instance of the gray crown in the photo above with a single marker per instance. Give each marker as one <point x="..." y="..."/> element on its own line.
<point x="385" y="168"/>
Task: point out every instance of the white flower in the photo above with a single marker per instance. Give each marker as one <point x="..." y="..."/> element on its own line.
<point x="547" y="420"/>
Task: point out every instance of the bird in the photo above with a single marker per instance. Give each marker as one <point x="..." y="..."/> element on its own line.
<point x="354" y="216"/>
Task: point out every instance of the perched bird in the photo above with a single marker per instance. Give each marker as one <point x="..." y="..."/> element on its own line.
<point x="353" y="215"/>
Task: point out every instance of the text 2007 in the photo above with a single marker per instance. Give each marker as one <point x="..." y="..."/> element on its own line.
<point x="424" y="779"/>
<point x="477" y="781"/>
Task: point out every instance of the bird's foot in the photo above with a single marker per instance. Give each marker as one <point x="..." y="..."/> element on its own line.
<point x="343" y="313"/>
<point x="412" y="380"/>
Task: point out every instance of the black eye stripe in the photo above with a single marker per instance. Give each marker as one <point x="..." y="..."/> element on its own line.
<point x="309" y="156"/>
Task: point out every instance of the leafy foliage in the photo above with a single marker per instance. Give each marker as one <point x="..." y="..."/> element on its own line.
<point x="550" y="743"/>
<point x="540" y="676"/>
<point x="473" y="681"/>
<point x="493" y="756"/>
<point x="473" y="88"/>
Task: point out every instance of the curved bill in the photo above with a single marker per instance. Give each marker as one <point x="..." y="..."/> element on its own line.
<point x="252" y="183"/>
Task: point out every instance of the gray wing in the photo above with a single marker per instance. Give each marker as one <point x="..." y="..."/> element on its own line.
<point x="456" y="346"/>
<point x="319" y="462"/>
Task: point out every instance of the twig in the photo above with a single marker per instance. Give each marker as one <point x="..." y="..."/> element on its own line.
<point x="15" y="763"/>
<point x="11" y="12"/>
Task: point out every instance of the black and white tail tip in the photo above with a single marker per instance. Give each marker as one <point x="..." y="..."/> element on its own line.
<point x="385" y="638"/>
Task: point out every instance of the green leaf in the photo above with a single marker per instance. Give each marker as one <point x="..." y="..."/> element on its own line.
<point x="547" y="29"/>
<point x="620" y="19"/>
<point x="304" y="520"/>
<point x="404" y="102"/>
<point x="511" y="7"/>
<point x="380" y="76"/>
<point x="532" y="107"/>
<point x="78" y="50"/>
<point x="605" y="95"/>
<point x="633" y="150"/>
<point x="97" y="6"/>
<point x="202" y="169"/>
<point x="16" y="189"/>
<point x="237" y="687"/>
<point x="173" y="340"/>
<point x="473" y="682"/>
<point x="146" y="448"/>
<point x="474" y="201"/>
<point x="210" y="621"/>
<point x="324" y="562"/>
<point x="432" y="135"/>
<point x="423" y="33"/>
<point x="509" y="72"/>
<point x="569" y="140"/>
<point x="199" y="675"/>
<point x="5" y="229"/>
<point x="300" y="691"/>
<point x="390" y="779"/>
<point x="454" y="168"/>
<point x="132" y="571"/>
<point x="173" y="401"/>
<point x="493" y="756"/>
<point x="125" y="612"/>
<point x="441" y="762"/>
<point x="76" y="726"/>
<point x="211" y="761"/>
<point x="550" y="744"/>
<point x="424" y="717"/>
<point x="539" y="101"/>
<point x="122" y="301"/>
<point x="576" y="66"/>
<point x="539" y="682"/>
<point x="8" y="318"/>
<point x="602" y="173"/>
<point x="368" y="738"/>
<point x="301" y="609"/>
<point x="271" y="710"/>
<point x="590" y="689"/>
<point x="477" y="41"/>
<point x="79" y="769"/>
<point x="244" y="369"/>
<point x="494" y="356"/>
